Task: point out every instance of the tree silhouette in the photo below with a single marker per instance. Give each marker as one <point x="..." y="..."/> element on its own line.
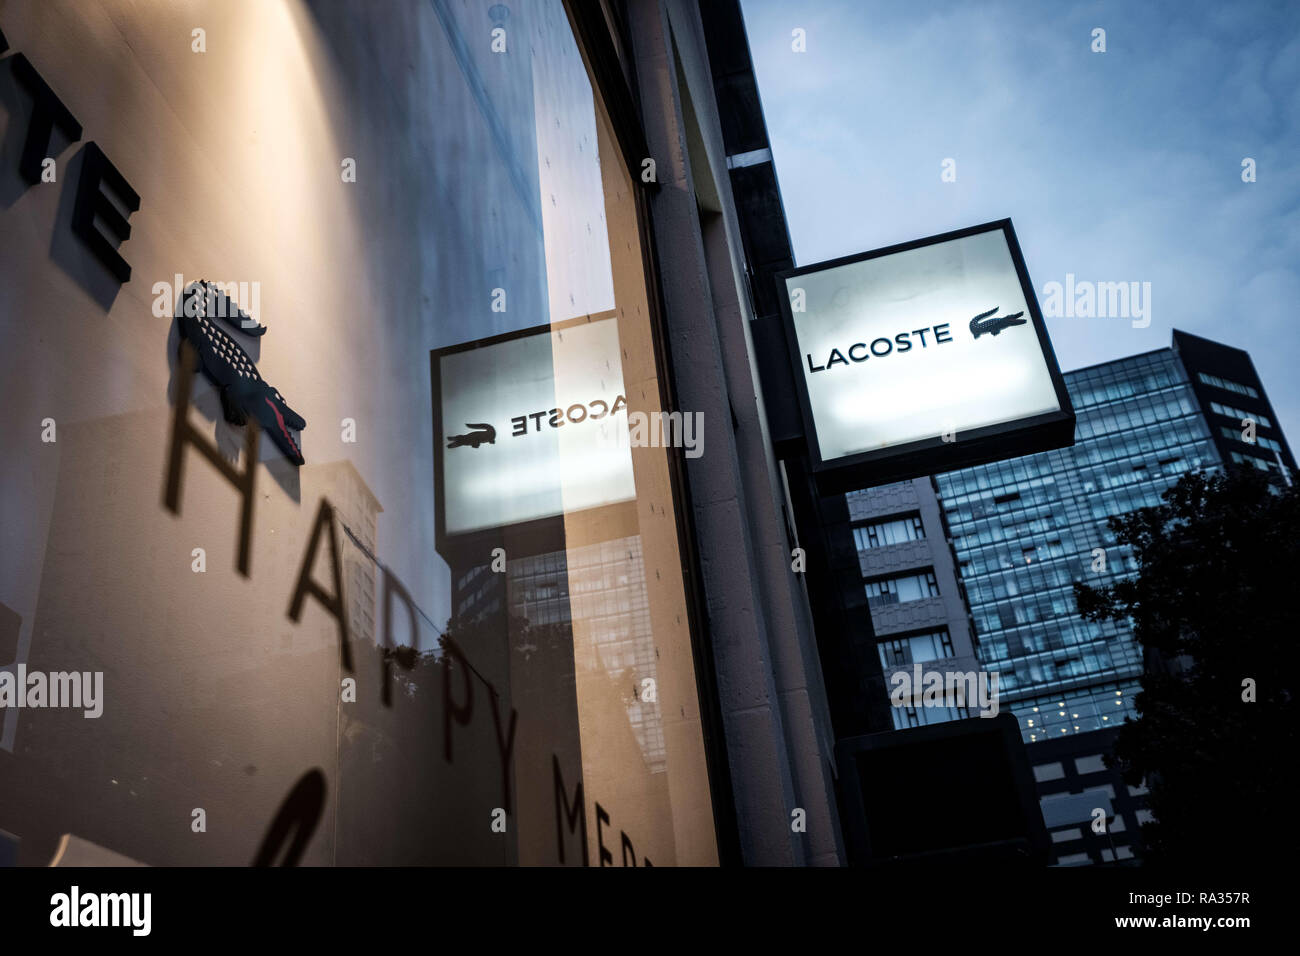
<point x="1214" y="607"/>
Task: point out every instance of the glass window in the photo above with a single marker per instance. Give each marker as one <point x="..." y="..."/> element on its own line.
<point x="424" y="679"/>
<point x="1090" y="764"/>
<point x="1228" y="385"/>
<point x="1231" y="412"/>
<point x="916" y="649"/>
<point x="901" y="589"/>
<point x="889" y="531"/>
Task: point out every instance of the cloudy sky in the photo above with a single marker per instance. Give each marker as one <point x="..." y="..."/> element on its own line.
<point x="1122" y="166"/>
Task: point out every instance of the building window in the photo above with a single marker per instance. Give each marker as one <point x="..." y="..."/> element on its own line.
<point x="1227" y="385"/>
<point x="881" y="534"/>
<point x="1259" y="463"/>
<point x="901" y="589"/>
<point x="1259" y="439"/>
<point x="1089" y="764"/>
<point x="1231" y="412"/>
<point x="918" y="648"/>
<point x="904" y="717"/>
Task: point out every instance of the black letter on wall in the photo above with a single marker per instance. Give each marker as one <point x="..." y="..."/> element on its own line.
<point x="96" y="169"/>
<point x="48" y="111"/>
<point x="308" y="586"/>
<point x="301" y="811"/>
<point x="505" y="744"/>
<point x="602" y="817"/>
<point x="449" y="708"/>
<point x="576" y="814"/>
<point x="183" y="431"/>
<point x="389" y="650"/>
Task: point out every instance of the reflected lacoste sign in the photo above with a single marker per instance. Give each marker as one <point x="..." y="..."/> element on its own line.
<point x="529" y="426"/>
<point x="482" y="433"/>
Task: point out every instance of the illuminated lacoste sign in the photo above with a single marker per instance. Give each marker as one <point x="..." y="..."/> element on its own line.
<point x="921" y="358"/>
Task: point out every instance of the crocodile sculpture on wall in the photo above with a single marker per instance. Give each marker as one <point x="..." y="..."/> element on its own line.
<point x="244" y="393"/>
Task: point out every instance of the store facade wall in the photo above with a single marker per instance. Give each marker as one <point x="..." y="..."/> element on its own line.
<point x="780" y="745"/>
<point x="385" y="186"/>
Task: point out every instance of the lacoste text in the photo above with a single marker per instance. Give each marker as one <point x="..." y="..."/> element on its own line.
<point x="857" y="352"/>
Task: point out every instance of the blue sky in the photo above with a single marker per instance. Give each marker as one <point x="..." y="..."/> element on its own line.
<point x="1117" y="166"/>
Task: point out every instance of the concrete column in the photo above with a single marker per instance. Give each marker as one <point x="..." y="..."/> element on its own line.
<point x="774" y="715"/>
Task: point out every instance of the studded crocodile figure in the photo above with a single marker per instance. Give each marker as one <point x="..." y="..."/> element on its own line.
<point x="244" y="393"/>
<point x="994" y="326"/>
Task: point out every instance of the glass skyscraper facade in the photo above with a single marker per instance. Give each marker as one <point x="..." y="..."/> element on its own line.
<point x="1019" y="533"/>
<point x="1025" y="530"/>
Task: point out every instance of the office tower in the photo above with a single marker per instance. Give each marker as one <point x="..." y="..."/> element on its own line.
<point x="910" y="585"/>
<point x="1026" y="529"/>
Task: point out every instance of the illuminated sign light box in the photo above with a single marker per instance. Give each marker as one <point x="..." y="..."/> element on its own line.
<point x="531" y="429"/>
<point x="921" y="358"/>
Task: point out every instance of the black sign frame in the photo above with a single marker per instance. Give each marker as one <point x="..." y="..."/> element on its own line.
<point x="930" y="456"/>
